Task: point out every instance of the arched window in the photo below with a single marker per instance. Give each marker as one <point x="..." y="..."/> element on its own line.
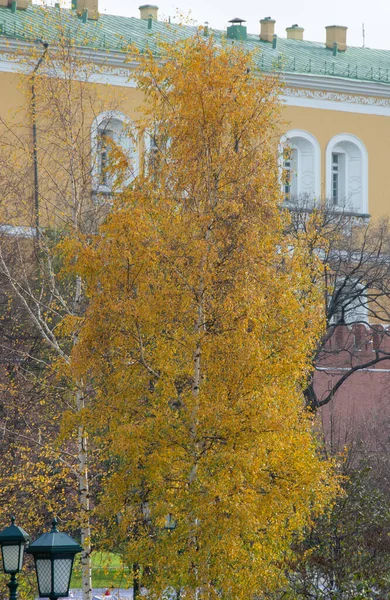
<point x="108" y="129"/>
<point x="347" y="173"/>
<point x="301" y="166"/>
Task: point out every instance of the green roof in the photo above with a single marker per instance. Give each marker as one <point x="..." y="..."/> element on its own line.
<point x="113" y="33"/>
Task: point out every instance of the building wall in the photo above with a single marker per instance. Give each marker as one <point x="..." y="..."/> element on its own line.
<point x="11" y="95"/>
<point x="372" y="130"/>
<point x="360" y="409"/>
<point x="15" y="96"/>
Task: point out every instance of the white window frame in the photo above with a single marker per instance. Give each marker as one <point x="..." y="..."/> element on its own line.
<point x="105" y="117"/>
<point x="290" y="168"/>
<point x="150" y="146"/>
<point x="288" y="140"/>
<point x="102" y="169"/>
<point x="330" y="150"/>
<point x="342" y="172"/>
<point x="150" y="143"/>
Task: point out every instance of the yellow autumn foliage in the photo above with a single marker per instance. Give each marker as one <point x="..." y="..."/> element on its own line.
<point x="201" y="321"/>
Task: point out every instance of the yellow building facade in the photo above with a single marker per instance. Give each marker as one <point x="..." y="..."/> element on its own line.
<point x="336" y="98"/>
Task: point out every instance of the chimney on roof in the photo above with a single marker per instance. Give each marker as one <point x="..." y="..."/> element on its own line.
<point x="237" y="31"/>
<point x="336" y="34"/>
<point x="148" y="10"/>
<point x="92" y="6"/>
<point x="295" y="32"/>
<point x="267" y="29"/>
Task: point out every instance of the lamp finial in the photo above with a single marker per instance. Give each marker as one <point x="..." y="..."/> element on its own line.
<point x="54" y="525"/>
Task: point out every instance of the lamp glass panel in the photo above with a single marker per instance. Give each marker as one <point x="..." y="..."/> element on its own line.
<point x="62" y="574"/>
<point x="11" y="559"/>
<point x="43" y="568"/>
<point x="21" y="555"/>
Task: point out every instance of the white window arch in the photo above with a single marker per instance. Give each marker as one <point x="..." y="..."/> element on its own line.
<point x="115" y="126"/>
<point x="301" y="165"/>
<point x="347" y="173"/>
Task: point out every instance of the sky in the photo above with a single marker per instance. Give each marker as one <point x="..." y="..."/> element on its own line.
<point x="313" y="15"/>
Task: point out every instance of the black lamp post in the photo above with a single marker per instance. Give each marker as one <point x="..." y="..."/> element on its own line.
<point x="13" y="540"/>
<point x="54" y="554"/>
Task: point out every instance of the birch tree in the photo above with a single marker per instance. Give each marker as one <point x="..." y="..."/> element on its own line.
<point x="201" y="321"/>
<point x="45" y="180"/>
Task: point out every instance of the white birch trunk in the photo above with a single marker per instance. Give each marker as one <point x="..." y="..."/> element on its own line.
<point x="83" y="482"/>
<point x="197" y="380"/>
<point x="85" y="526"/>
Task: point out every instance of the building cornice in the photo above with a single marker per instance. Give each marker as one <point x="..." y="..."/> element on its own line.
<point x="337" y="102"/>
<point x="303" y="90"/>
<point x="336" y="84"/>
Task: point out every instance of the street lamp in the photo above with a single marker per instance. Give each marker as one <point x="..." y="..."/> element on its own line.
<point x="13" y="540"/>
<point x="54" y="554"/>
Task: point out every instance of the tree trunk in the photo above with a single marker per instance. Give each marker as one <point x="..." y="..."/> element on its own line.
<point x="136" y="580"/>
<point x="310" y="396"/>
<point x="85" y="526"/>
